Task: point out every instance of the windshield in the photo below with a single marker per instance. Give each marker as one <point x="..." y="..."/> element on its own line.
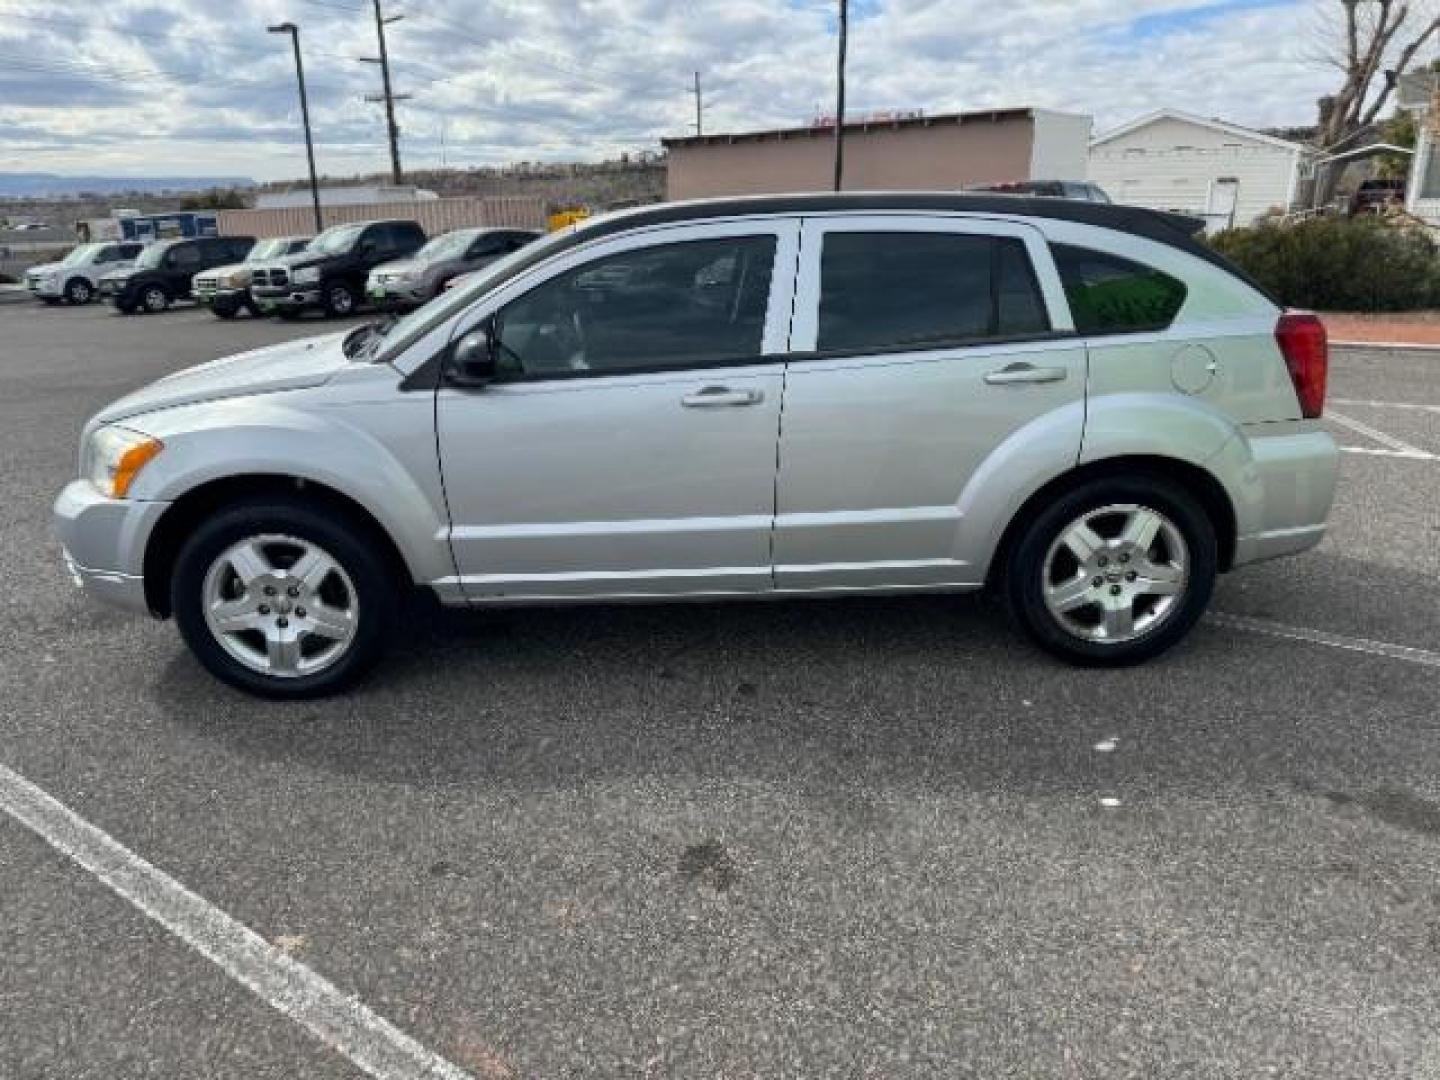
<point x="80" y="254"/>
<point x="267" y="249"/>
<point x="152" y="256"/>
<point x="452" y="243"/>
<point x="424" y="319"/>
<point x="338" y="239"/>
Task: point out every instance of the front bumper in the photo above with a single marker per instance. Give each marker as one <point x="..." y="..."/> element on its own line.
<point x="393" y="293"/>
<point x="211" y="297"/>
<point x="44" y="288"/>
<point x="104" y="542"/>
<point x="291" y="299"/>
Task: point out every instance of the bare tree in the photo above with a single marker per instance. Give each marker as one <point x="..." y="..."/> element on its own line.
<point x="1379" y="40"/>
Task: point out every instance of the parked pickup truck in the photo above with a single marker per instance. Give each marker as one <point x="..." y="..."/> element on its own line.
<point x="76" y="277"/>
<point x="226" y="289"/>
<point x="329" y="275"/>
<point x="163" y="272"/>
<point x="407" y="283"/>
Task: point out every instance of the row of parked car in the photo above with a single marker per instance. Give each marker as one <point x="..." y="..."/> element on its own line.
<point x="390" y="264"/>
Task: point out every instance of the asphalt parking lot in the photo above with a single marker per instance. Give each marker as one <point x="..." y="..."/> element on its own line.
<point x="876" y="838"/>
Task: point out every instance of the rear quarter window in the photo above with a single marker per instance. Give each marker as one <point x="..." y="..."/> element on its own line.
<point x="1109" y="294"/>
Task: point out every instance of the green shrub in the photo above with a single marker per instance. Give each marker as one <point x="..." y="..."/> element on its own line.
<point x="1339" y="264"/>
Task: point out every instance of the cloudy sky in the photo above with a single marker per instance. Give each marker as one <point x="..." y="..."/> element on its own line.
<point x="197" y="87"/>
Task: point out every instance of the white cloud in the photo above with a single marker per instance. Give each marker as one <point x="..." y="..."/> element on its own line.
<point x="169" y="86"/>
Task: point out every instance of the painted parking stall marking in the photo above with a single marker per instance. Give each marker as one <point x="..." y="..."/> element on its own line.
<point x="1407" y="653"/>
<point x="339" y="1020"/>
<point x="1385" y="405"/>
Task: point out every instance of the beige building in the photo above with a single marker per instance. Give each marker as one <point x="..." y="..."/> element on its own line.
<point x="920" y="153"/>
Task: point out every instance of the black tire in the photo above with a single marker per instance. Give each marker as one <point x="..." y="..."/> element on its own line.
<point x="79" y="291"/>
<point x="224" y="310"/>
<point x="351" y="542"/>
<point x="154" y="299"/>
<point x="1026" y="570"/>
<point x="338" y="298"/>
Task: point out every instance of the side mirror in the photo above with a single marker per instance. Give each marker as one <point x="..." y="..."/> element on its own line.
<point x="471" y="362"/>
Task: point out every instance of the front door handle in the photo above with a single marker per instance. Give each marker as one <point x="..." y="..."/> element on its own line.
<point x="721" y="397"/>
<point x="1025" y="373"/>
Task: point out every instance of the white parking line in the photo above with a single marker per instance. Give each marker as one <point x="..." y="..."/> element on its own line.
<point x="1387" y="404"/>
<point x="1407" y="455"/>
<point x="1408" y="653"/>
<point x="1369" y="432"/>
<point x="337" y="1019"/>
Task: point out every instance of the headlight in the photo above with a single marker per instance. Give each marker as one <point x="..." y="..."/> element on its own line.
<point x="114" y="457"/>
<point x="305" y="275"/>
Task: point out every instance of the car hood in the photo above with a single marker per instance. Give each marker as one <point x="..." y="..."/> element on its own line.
<point x="292" y="365"/>
<point x="400" y="266"/>
<point x="44" y="268"/>
<point x="221" y="271"/>
<point x="297" y="259"/>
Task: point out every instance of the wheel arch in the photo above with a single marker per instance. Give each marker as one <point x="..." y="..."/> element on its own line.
<point x="1198" y="481"/>
<point x="185" y="513"/>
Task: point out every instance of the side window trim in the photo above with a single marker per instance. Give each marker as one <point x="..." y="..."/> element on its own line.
<point x="805" y="328"/>
<point x="779" y="310"/>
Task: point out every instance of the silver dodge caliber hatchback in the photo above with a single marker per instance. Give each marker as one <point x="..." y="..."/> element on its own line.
<point x="1075" y="404"/>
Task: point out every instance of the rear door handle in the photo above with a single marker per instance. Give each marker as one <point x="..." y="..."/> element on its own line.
<point x="1026" y="373"/>
<point x="721" y="397"/>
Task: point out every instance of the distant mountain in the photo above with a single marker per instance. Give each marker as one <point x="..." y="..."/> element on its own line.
<point x="53" y="186"/>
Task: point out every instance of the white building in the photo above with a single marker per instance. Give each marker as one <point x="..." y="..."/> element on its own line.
<point x="1229" y="175"/>
<point x="1419" y="93"/>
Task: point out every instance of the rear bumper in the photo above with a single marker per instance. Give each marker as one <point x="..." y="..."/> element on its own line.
<point x="104" y="542"/>
<point x="1293" y="483"/>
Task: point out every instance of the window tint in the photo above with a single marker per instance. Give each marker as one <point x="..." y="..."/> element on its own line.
<point x="674" y="305"/>
<point x="399" y="236"/>
<point x="1111" y="295"/>
<point x="488" y="244"/>
<point x="893" y="290"/>
<point x="183" y="256"/>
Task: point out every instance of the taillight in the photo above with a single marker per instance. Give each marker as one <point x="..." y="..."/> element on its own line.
<point x="1306" y="348"/>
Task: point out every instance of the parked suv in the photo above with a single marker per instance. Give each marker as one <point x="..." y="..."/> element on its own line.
<point x="163" y="271"/>
<point x="75" y="277"/>
<point x="1077" y="405"/>
<point x="411" y="282"/>
<point x="329" y="275"/>
<point x="226" y="289"/>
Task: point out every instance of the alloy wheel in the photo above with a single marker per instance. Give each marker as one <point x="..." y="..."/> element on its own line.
<point x="79" y="292"/>
<point x="1116" y="573"/>
<point x="280" y="605"/>
<point x="155" y="299"/>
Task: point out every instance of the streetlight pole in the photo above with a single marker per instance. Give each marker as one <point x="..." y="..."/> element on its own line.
<point x="840" y="96"/>
<point x="294" y="32"/>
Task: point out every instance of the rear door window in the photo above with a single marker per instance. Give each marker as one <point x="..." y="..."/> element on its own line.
<point x="917" y="290"/>
<point x="1109" y="294"/>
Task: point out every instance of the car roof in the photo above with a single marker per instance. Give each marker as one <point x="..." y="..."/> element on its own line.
<point x="1174" y="230"/>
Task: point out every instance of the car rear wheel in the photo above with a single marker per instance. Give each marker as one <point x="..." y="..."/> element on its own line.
<point x="1114" y="572"/>
<point x="283" y="601"/>
<point x="339" y="299"/>
<point x="154" y="299"/>
<point x="78" y="291"/>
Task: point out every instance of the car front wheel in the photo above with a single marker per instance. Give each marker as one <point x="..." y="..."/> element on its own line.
<point x="155" y="299"/>
<point x="339" y="299"/>
<point x="1115" y="571"/>
<point x="79" y="291"/>
<point x="283" y="601"/>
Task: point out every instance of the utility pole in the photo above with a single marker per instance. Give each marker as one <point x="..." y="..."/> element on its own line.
<point x="294" y="32"/>
<point x="389" y="97"/>
<point x="839" y="96"/>
<point x="699" y="112"/>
